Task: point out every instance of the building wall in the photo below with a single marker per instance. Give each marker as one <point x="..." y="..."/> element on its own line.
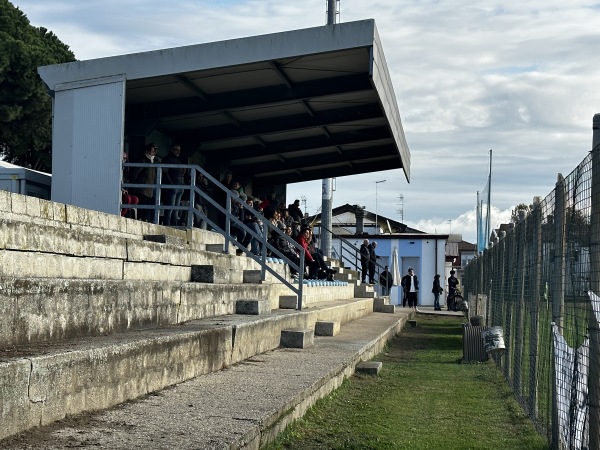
<point x="87" y="144"/>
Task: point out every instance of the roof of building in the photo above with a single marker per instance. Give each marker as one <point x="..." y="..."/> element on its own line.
<point x="284" y="107"/>
<point x="395" y="227"/>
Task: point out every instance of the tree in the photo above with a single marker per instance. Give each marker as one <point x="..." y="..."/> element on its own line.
<point x="514" y="215"/>
<point x="25" y="106"/>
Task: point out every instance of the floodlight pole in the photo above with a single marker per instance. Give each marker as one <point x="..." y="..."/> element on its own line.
<point x="327" y="183"/>
<point x="376" y="218"/>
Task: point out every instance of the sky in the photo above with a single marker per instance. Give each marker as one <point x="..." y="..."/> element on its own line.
<point x="520" y="78"/>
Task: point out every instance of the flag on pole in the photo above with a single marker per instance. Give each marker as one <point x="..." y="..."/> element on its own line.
<point x="483" y="213"/>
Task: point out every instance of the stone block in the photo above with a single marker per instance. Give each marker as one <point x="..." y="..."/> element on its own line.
<point x="5" y="201"/>
<point x="297" y="338"/>
<point x="252" y="276"/>
<point x="288" y="302"/>
<point x="164" y="239"/>
<point x="388" y="309"/>
<point x="214" y="248"/>
<point x="378" y="304"/>
<point x="210" y="273"/>
<point x="252" y="307"/>
<point x="18" y="204"/>
<point x="369" y="367"/>
<point x="327" y="328"/>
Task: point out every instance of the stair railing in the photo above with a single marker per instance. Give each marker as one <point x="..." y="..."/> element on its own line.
<point x="268" y="228"/>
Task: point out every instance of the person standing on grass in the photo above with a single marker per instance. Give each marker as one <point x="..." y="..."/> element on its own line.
<point x="452" y="285"/>
<point x="437" y="290"/>
<point x="410" y="286"/>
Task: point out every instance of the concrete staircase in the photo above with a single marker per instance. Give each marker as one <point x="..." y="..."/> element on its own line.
<point x="96" y="310"/>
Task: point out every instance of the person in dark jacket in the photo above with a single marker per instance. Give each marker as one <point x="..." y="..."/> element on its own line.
<point x="174" y="176"/>
<point x="372" y="261"/>
<point x="365" y="256"/>
<point x="146" y="175"/>
<point x="385" y="280"/>
<point x="410" y="285"/>
<point x="437" y="290"/>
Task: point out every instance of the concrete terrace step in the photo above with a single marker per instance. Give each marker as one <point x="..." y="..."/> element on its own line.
<point x="227" y="408"/>
<point x="44" y="383"/>
<point x="56" y="309"/>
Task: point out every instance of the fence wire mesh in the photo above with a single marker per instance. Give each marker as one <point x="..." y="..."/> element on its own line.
<point x="537" y="282"/>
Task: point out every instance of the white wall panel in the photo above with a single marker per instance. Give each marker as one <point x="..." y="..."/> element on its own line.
<point x="87" y="144"/>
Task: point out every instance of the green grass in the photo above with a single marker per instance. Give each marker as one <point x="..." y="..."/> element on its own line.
<point x="423" y="398"/>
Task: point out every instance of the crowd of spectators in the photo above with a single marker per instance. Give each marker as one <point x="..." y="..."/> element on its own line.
<point x="290" y="221"/>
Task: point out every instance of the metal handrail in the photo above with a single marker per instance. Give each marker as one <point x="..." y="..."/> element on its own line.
<point x="193" y="212"/>
<point x="352" y="254"/>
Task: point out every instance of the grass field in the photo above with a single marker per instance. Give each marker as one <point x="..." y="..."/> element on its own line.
<point x="423" y="398"/>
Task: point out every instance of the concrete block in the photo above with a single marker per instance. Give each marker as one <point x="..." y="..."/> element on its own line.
<point x="214" y="248"/>
<point x="288" y="302"/>
<point x="297" y="338"/>
<point x="60" y="212"/>
<point x="77" y="215"/>
<point x="5" y="201"/>
<point x="46" y="209"/>
<point x="378" y="304"/>
<point x="388" y="309"/>
<point x="369" y="367"/>
<point x="156" y="272"/>
<point x="327" y="328"/>
<point x="210" y="273"/>
<point x="252" y="276"/>
<point x="164" y="239"/>
<point x="18" y="204"/>
<point x="252" y="307"/>
<point x="412" y="323"/>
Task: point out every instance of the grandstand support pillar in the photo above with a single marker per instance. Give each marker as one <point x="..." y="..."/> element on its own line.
<point x="558" y="291"/>
<point x="326" y="216"/>
<point x="594" y="369"/>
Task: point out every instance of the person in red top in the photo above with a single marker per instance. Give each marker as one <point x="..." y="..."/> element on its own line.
<point x="304" y="240"/>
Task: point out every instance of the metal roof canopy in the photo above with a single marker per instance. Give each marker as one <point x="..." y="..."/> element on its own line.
<point x="281" y="108"/>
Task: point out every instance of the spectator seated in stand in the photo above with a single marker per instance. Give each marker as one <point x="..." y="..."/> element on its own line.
<point x="324" y="271"/>
<point x="126" y="197"/>
<point x="287" y="248"/>
<point x="252" y="221"/>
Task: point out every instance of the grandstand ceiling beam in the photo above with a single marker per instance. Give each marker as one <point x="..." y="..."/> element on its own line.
<point x="249" y="98"/>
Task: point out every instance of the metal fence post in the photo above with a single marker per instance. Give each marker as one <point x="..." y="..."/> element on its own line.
<point x="536" y="226"/>
<point x="521" y="256"/>
<point x="594" y="369"/>
<point x="558" y="290"/>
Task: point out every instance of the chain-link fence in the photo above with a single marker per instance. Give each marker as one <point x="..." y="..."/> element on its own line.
<point x="538" y="283"/>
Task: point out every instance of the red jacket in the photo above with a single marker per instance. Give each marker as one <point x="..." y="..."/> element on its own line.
<point x="304" y="243"/>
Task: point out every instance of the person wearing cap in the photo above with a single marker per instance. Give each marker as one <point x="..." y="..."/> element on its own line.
<point x="437" y="290"/>
<point x="452" y="284"/>
<point x="410" y="286"/>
